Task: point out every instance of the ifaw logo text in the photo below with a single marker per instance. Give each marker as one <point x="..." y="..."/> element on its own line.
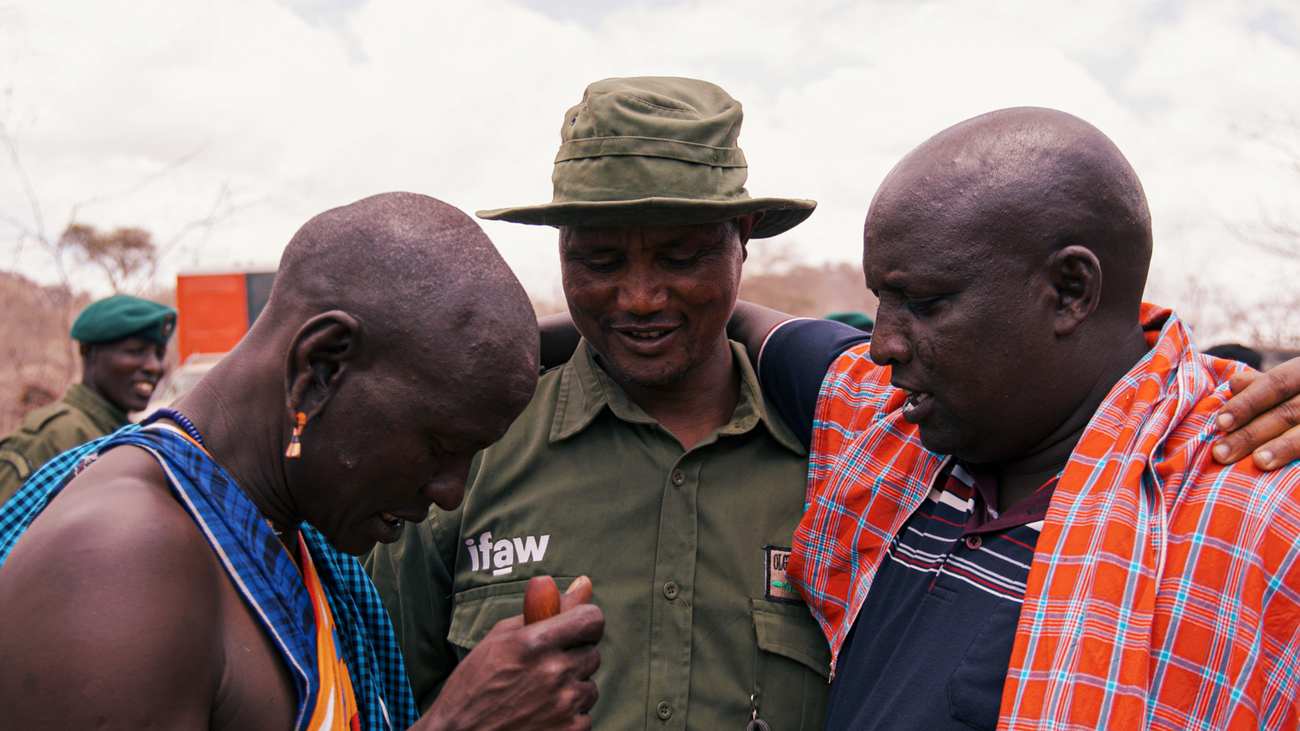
<point x="501" y="556"/>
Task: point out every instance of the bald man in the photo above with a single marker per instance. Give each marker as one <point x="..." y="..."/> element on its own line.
<point x="1015" y="519"/>
<point x="194" y="573"/>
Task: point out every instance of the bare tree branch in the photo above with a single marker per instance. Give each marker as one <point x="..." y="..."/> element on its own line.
<point x="28" y="190"/>
<point x="146" y="181"/>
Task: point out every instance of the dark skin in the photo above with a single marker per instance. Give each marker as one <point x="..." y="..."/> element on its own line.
<point x="1020" y="240"/>
<point x="124" y="371"/>
<point x="653" y="302"/>
<point x="948" y="280"/>
<point x="1261" y="420"/>
<point x="926" y="316"/>
<point x="1267" y="404"/>
<point x="159" y="635"/>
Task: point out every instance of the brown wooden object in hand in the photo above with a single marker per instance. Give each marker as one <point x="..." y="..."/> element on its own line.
<point x="541" y="599"/>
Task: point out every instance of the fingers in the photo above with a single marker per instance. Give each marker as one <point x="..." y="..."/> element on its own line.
<point x="1262" y="418"/>
<point x="582" y="624"/>
<point x="1280" y="451"/>
<point x="586" y="660"/>
<point x="1256" y="393"/>
<point x="1272" y="439"/>
<point x="526" y="676"/>
<point x="579" y="592"/>
<point x="585" y="696"/>
<point x="1272" y="454"/>
<point x="1241" y="379"/>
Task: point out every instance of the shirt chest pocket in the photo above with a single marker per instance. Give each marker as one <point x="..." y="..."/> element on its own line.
<point x="478" y="610"/>
<point x="975" y="688"/>
<point x="792" y="683"/>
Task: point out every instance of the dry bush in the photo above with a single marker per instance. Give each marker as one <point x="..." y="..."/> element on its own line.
<point x="810" y="291"/>
<point x="1217" y="314"/>
<point x="38" y="359"/>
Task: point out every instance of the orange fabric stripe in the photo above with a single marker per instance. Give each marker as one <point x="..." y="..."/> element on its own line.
<point x="336" y="704"/>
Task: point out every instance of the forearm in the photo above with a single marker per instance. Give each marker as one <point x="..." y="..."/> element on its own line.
<point x="559" y="339"/>
<point x="750" y="324"/>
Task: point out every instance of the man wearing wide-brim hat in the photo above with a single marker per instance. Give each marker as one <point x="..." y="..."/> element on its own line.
<point x="123" y="341"/>
<point x="651" y="461"/>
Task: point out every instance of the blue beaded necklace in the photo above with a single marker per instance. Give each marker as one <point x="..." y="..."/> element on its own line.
<point x="181" y="419"/>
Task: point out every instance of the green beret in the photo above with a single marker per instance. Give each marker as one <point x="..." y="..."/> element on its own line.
<point x="855" y="319"/>
<point x="123" y="316"/>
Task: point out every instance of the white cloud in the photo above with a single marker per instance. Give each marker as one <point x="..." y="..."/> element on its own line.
<point x="301" y="107"/>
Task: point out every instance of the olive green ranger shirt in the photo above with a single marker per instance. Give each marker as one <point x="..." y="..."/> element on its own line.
<point x="686" y="551"/>
<point x="80" y="416"/>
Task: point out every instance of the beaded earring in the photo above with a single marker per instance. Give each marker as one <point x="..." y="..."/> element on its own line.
<point x="295" y="441"/>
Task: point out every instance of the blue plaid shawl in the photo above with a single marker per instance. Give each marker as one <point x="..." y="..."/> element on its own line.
<point x="261" y="569"/>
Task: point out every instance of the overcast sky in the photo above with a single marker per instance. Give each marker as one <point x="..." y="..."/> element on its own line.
<point x="290" y="107"/>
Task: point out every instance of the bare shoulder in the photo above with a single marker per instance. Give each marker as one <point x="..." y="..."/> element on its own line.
<point x="111" y="604"/>
<point x="116" y="524"/>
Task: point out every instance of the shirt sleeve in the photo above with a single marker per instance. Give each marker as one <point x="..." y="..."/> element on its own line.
<point x="793" y="363"/>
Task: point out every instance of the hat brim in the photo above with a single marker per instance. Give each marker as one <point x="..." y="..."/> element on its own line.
<point x="780" y="214"/>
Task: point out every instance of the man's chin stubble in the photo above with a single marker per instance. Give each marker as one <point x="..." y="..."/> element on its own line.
<point x="657" y="382"/>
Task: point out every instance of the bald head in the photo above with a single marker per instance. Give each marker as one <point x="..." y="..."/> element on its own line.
<point x="1009" y="253"/>
<point x="411" y="268"/>
<point x="400" y="341"/>
<point x="1028" y="180"/>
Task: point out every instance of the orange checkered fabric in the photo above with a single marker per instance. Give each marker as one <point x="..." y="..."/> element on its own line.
<point x="1165" y="588"/>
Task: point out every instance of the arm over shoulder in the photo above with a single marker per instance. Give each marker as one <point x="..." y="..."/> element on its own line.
<point x="111" y="612"/>
<point x="793" y="363"/>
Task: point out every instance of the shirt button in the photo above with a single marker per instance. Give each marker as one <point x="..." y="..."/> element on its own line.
<point x="671" y="591"/>
<point x="664" y="709"/>
<point x="973" y="542"/>
<point x="678" y="477"/>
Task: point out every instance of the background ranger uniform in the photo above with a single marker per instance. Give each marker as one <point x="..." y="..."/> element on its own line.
<point x="123" y="340"/>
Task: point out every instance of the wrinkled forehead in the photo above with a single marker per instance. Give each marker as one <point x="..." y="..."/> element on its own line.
<point x="953" y="209"/>
<point x="936" y="243"/>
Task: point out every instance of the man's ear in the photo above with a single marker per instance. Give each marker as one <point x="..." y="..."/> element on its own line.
<point x="747" y="223"/>
<point x="319" y="357"/>
<point x="1075" y="273"/>
<point x="745" y="226"/>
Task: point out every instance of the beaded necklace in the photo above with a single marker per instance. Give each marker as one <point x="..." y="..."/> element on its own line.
<point x="181" y="419"/>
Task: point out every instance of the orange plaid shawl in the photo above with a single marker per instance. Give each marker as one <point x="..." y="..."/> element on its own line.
<point x="1165" y="588"/>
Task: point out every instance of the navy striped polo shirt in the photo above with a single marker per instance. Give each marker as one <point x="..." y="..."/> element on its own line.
<point x="931" y="645"/>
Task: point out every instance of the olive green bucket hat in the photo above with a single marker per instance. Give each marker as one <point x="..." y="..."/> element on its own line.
<point x="653" y="151"/>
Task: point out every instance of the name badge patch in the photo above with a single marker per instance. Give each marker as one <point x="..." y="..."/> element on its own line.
<point x="779" y="588"/>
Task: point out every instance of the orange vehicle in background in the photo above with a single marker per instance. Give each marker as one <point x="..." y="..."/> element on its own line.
<point x="214" y="309"/>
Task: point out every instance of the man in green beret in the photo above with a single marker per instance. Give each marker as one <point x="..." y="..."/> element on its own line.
<point x="651" y="461"/>
<point x="123" y="340"/>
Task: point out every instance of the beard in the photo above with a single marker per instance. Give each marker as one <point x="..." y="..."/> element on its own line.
<point x="660" y="380"/>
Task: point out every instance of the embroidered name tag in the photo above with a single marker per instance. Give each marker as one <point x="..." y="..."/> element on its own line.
<point x="779" y="588"/>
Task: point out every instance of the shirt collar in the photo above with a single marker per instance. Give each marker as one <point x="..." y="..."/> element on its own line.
<point x="586" y="389"/>
<point x="100" y="410"/>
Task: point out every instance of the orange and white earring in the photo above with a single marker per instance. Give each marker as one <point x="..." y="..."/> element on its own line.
<point x="295" y="441"/>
